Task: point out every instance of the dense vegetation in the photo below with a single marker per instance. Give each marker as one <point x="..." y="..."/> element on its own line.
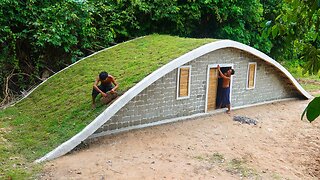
<point x="295" y="34"/>
<point x="38" y="38"/>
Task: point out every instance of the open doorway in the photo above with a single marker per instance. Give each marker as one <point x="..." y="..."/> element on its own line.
<point x="219" y="100"/>
<point x="214" y="86"/>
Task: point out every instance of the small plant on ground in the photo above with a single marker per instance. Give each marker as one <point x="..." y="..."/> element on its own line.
<point x="216" y="158"/>
<point x="276" y="176"/>
<point x="240" y="167"/>
<point x="200" y="158"/>
<point x="235" y="166"/>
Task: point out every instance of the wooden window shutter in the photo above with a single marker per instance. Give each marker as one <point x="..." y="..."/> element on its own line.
<point x="184" y="82"/>
<point x="251" y="75"/>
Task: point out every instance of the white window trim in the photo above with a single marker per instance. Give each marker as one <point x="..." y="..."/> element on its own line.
<point x="207" y="88"/>
<point x="255" y="76"/>
<point x="189" y="84"/>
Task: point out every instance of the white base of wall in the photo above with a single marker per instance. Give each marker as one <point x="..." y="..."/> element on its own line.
<point x="194" y="116"/>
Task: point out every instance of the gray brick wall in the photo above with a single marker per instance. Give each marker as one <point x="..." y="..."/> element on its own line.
<point x="158" y="101"/>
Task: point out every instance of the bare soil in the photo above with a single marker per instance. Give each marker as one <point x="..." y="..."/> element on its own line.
<point x="280" y="146"/>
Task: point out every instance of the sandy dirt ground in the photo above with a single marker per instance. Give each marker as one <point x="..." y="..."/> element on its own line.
<point x="280" y="146"/>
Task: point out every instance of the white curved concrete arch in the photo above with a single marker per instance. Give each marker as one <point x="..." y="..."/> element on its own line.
<point x="134" y="91"/>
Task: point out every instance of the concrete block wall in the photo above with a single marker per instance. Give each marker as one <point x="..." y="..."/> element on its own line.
<point x="271" y="84"/>
<point x="159" y="102"/>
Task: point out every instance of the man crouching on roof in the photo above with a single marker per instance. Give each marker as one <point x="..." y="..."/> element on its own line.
<point x="105" y="86"/>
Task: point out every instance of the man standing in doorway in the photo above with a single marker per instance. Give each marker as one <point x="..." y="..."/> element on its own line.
<point x="225" y="91"/>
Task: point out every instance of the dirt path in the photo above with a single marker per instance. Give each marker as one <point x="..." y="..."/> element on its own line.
<point x="280" y="146"/>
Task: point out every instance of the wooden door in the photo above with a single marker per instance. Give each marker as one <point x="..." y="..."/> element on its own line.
<point x="212" y="89"/>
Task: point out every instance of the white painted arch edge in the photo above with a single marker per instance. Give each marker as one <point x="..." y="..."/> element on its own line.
<point x="135" y="90"/>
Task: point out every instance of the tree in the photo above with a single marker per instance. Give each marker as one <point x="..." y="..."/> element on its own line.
<point x="298" y="27"/>
<point x="37" y="36"/>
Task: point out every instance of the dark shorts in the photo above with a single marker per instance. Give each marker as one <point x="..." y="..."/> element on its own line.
<point x="225" y="97"/>
<point x="103" y="88"/>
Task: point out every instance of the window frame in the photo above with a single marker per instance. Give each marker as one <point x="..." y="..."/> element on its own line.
<point x="178" y="82"/>
<point x="255" y="76"/>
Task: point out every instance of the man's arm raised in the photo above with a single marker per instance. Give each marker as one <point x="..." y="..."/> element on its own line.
<point x="221" y="74"/>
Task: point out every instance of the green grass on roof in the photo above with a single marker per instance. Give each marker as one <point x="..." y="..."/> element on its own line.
<point x="61" y="107"/>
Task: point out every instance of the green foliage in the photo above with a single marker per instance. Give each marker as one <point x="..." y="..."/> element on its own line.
<point x="241" y="21"/>
<point x="239" y="166"/>
<point x="297" y="30"/>
<point x="113" y="20"/>
<point x="232" y="19"/>
<point x="312" y="111"/>
<point x="69" y="28"/>
<point x="234" y="166"/>
<point x="311" y="56"/>
<point x="36" y="37"/>
<point x="310" y="83"/>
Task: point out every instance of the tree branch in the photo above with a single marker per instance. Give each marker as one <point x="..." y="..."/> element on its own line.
<point x="7" y="92"/>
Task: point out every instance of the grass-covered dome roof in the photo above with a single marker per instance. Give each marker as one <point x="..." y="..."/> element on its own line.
<point x="61" y="106"/>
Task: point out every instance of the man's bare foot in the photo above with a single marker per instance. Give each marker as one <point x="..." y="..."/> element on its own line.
<point x="93" y="106"/>
<point x="228" y="112"/>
